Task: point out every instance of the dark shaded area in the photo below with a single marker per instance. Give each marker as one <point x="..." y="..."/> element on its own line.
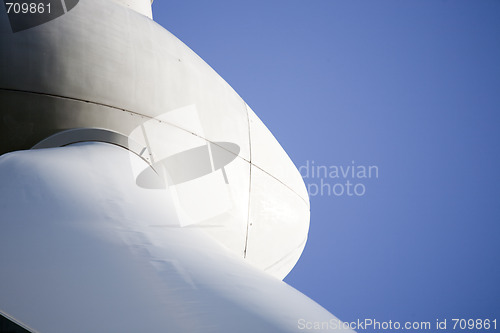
<point x="39" y="12"/>
<point x="70" y="4"/>
<point x="8" y="326"/>
<point x="28" y="118"/>
<point x="25" y="121"/>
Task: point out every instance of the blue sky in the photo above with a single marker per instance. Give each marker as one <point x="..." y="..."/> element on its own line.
<point x="411" y="87"/>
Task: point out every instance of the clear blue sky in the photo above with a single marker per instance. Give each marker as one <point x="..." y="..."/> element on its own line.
<point x="412" y="87"/>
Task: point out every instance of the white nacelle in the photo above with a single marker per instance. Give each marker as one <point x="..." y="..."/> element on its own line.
<point x="212" y="192"/>
<point x="85" y="248"/>
<point x="103" y="66"/>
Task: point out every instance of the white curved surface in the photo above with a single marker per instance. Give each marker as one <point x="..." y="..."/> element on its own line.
<point x="276" y="232"/>
<point x="269" y="156"/>
<point x="102" y="65"/>
<point x="141" y="6"/>
<point x="103" y="53"/>
<point x="84" y="248"/>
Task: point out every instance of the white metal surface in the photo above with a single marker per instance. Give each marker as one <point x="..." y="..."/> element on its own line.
<point x="99" y="238"/>
<point x="125" y="73"/>
<point x="269" y="156"/>
<point x="84" y="248"/>
<point x="141" y="6"/>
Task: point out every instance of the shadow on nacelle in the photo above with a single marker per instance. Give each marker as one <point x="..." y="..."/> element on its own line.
<point x="27" y="14"/>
